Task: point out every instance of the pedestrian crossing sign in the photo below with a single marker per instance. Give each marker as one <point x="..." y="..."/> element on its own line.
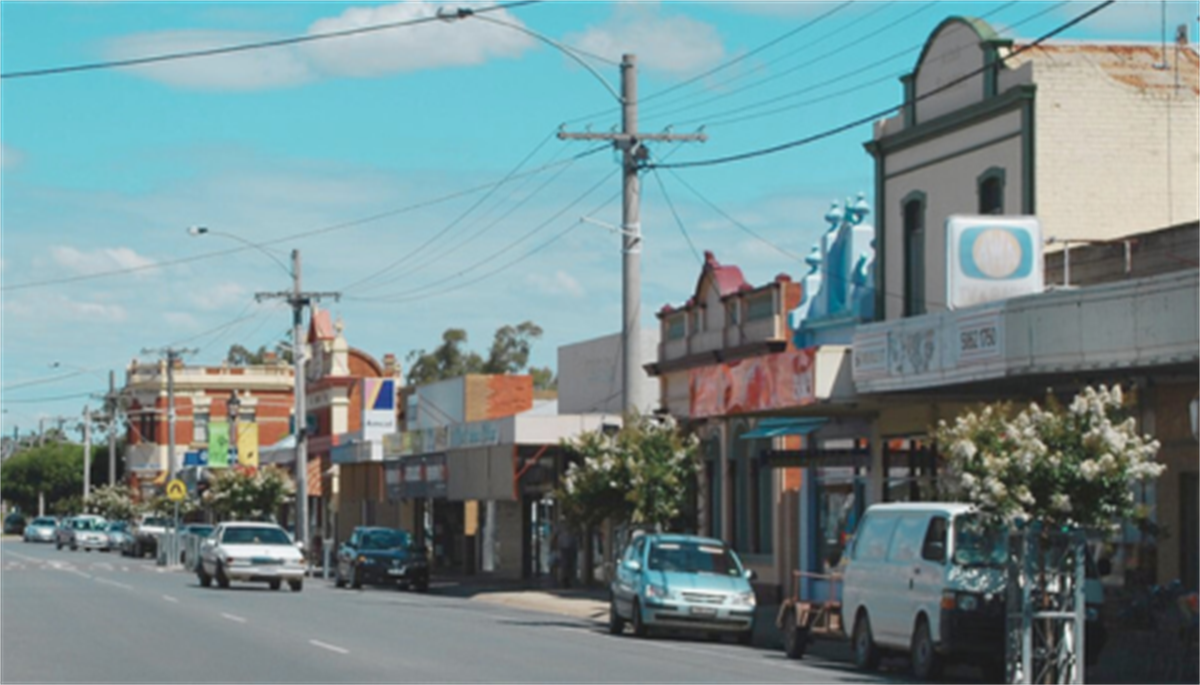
<point x="176" y="490"/>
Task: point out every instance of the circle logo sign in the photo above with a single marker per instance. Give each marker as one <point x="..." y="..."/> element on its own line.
<point x="997" y="253"/>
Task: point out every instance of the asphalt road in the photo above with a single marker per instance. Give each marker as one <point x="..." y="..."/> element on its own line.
<point x="76" y="617"/>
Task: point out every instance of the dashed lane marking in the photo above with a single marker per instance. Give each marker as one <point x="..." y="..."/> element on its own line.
<point x="114" y="583"/>
<point x="169" y="598"/>
<point x="332" y="648"/>
<point x="231" y="617"/>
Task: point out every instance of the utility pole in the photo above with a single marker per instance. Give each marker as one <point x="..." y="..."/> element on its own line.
<point x="173" y="466"/>
<point x="634" y="154"/>
<point x="110" y="409"/>
<point x="299" y="300"/>
<point x="87" y="456"/>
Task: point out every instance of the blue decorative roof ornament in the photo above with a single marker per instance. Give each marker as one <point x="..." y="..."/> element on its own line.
<point x="838" y="292"/>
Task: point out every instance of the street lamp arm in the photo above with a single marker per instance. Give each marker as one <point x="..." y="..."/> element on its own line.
<point x="552" y="43"/>
<point x="204" y="230"/>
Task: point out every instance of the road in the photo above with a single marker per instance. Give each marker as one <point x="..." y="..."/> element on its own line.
<point x="93" y="617"/>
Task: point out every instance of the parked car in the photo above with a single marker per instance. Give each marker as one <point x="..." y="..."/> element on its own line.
<point x="929" y="579"/>
<point x="188" y="533"/>
<point x="14" y="523"/>
<point x="85" y="531"/>
<point x="382" y="556"/>
<point x="682" y="581"/>
<point x="117" y="533"/>
<point x="251" y="551"/>
<point x="41" y="529"/>
<point x="146" y="531"/>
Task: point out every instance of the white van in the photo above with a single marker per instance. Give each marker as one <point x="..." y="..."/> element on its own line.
<point x="927" y="578"/>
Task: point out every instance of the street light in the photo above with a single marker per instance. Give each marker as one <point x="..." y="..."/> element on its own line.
<point x="196" y="231"/>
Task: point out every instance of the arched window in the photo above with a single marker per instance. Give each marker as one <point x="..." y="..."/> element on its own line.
<point x="991" y="191"/>
<point x="913" y="211"/>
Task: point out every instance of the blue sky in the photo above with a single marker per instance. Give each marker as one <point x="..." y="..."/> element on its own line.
<point x="381" y="156"/>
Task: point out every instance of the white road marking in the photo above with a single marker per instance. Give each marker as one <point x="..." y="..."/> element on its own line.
<point x="113" y="582"/>
<point x="332" y="648"/>
<point x="231" y="617"/>
<point x="102" y="565"/>
<point x="169" y="598"/>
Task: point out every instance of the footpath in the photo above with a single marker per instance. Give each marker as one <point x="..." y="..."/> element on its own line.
<point x="1129" y="656"/>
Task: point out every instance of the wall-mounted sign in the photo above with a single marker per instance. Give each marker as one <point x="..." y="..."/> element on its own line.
<point x="423" y="476"/>
<point x="770" y="381"/>
<point x="992" y="258"/>
<point x="379" y="407"/>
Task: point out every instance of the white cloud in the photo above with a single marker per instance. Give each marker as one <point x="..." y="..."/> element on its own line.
<point x="49" y="311"/>
<point x="677" y="45"/>
<point x="375" y="53"/>
<point x="221" y="295"/>
<point x="425" y="46"/>
<point x="561" y="283"/>
<point x="181" y="320"/>
<point x="101" y="260"/>
<point x="10" y="158"/>
<point x="246" y="70"/>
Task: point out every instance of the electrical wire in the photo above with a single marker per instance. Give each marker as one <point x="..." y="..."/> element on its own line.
<point x="678" y="221"/>
<point x="881" y="113"/>
<point x="245" y="47"/>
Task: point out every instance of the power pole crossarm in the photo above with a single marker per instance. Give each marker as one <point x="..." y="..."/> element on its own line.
<point x="622" y="138"/>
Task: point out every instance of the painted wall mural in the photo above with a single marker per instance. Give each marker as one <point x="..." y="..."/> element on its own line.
<point x="775" y="381"/>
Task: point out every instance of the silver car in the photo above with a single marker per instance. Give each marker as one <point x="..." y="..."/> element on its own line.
<point x="41" y="529"/>
<point x="85" y="531"/>
<point x="251" y="551"/>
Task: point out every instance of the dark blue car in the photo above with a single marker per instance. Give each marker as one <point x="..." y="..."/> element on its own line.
<point x="382" y="556"/>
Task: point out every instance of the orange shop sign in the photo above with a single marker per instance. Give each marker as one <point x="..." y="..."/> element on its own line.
<point x="773" y="381"/>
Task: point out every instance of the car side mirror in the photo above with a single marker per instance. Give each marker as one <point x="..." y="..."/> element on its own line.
<point x="751" y="574"/>
<point x="633" y="564"/>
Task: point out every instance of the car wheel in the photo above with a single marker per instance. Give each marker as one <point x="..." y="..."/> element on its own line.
<point x="296" y="585"/>
<point x="74" y="547"/>
<point x="866" y="653"/>
<point x="746" y="637"/>
<point x="274" y="584"/>
<point x="639" y="627"/>
<point x="205" y="579"/>
<point x="926" y="662"/>
<point x="356" y="583"/>
<point x="222" y="579"/>
<point x="795" y="638"/>
<point x="616" y="624"/>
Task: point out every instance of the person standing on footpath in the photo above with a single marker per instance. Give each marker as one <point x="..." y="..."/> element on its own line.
<point x="567" y="550"/>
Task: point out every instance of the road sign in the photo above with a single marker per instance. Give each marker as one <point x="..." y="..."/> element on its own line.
<point x="176" y="490"/>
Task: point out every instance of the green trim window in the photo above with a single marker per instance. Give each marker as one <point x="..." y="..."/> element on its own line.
<point x="676" y="327"/>
<point x="697" y="321"/>
<point x="991" y="191"/>
<point x="760" y="306"/>
<point x="731" y="313"/>
<point x="913" y="213"/>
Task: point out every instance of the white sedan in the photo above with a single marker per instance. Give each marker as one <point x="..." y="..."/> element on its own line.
<point x="251" y="551"/>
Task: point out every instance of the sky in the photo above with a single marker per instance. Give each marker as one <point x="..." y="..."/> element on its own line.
<point x="417" y="170"/>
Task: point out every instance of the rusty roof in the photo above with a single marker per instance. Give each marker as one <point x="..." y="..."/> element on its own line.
<point x="1137" y="65"/>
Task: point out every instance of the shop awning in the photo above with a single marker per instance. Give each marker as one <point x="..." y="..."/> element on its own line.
<point x="773" y="428"/>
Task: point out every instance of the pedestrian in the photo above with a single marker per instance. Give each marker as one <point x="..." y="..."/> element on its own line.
<point x="568" y="550"/>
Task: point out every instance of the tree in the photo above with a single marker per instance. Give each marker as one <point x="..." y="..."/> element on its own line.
<point x="509" y="353"/>
<point x="240" y="355"/>
<point x="543" y="378"/>
<point x="114" y="502"/>
<point x="242" y="493"/>
<point x="643" y="475"/>
<point x="54" y="470"/>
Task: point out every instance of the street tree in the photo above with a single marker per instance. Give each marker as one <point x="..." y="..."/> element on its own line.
<point x="246" y="493"/>
<point x="240" y="355"/>
<point x="114" y="502"/>
<point x="508" y="354"/>
<point x="54" y="470"/>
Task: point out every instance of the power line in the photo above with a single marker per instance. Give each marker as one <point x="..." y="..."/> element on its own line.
<point x="678" y="221"/>
<point x="881" y="113"/>
<point x="244" y="47"/>
<point x="287" y="238"/>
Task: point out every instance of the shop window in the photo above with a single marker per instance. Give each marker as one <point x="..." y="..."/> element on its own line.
<point x="991" y="191"/>
<point x="760" y="306"/>
<point x="838" y="511"/>
<point x="914" y="253"/>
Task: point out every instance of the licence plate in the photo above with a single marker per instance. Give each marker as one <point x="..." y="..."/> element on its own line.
<point x="703" y="611"/>
<point x="397" y="571"/>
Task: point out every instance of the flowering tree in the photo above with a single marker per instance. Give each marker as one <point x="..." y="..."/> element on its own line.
<point x="244" y="493"/>
<point x="1065" y="467"/>
<point x="641" y="476"/>
<point x="113" y="502"/>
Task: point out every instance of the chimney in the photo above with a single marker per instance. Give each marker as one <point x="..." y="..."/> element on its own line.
<point x="1181" y="35"/>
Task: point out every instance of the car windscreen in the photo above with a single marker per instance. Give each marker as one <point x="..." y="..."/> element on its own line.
<point x="693" y="557"/>
<point x="199" y="531"/>
<point x="88" y="524"/>
<point x="264" y="535"/>
<point x="117" y="526"/>
<point x="977" y="543"/>
<point x="45" y="522"/>
<point x="385" y="539"/>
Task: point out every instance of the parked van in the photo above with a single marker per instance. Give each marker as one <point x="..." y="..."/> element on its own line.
<point x="928" y="578"/>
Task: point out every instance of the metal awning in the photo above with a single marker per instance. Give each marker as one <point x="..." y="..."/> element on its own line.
<point x="773" y="428"/>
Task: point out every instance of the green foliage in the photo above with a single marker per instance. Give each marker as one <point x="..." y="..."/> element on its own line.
<point x="1064" y="466"/>
<point x="240" y="493"/>
<point x="543" y="378"/>
<point x="239" y="355"/>
<point x="509" y="353"/>
<point x="54" y="469"/>
<point x="161" y="505"/>
<point x="643" y="475"/>
<point x="114" y="502"/>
